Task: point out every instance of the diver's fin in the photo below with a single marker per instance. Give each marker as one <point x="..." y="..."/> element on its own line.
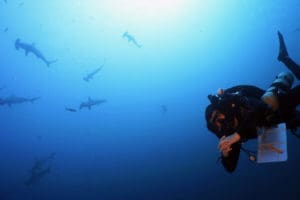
<point x="283" y="54"/>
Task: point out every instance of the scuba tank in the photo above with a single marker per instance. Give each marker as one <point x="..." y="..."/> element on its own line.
<point x="281" y="85"/>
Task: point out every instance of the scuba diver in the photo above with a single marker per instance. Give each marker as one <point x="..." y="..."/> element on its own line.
<point x="235" y="114"/>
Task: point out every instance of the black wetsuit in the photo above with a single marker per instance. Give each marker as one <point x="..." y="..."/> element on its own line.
<point x="251" y="113"/>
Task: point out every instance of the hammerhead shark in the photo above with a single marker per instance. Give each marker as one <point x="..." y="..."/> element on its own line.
<point x="297" y="29"/>
<point x="37" y="176"/>
<point x="164" y="109"/>
<point x="130" y="38"/>
<point x="11" y="100"/>
<point x="70" y="109"/>
<point x="91" y="102"/>
<point x="40" y="168"/>
<point x="31" y="48"/>
<point x="92" y="74"/>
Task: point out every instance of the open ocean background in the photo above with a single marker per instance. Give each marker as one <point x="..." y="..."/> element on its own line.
<point x="149" y="141"/>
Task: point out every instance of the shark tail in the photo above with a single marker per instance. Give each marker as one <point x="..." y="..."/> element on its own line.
<point x="51" y="62"/>
<point x="86" y="79"/>
<point x="34" y="99"/>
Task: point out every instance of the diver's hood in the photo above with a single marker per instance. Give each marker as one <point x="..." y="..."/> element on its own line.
<point x="214" y="99"/>
<point x="225" y="108"/>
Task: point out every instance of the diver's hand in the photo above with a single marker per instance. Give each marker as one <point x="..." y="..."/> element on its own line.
<point x="226" y="142"/>
<point x="224" y="146"/>
<point x="220" y="91"/>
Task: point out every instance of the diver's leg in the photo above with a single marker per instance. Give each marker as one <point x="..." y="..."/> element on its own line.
<point x="294" y="97"/>
<point x="294" y="123"/>
<point x="291" y="65"/>
<point x="284" y="57"/>
<point x="290" y="101"/>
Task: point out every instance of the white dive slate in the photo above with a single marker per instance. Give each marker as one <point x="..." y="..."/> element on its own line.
<point x="272" y="144"/>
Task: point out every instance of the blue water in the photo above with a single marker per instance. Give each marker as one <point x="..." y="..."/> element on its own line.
<point x="149" y="140"/>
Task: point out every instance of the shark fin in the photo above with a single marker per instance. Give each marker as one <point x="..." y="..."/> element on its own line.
<point x="50" y="62"/>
